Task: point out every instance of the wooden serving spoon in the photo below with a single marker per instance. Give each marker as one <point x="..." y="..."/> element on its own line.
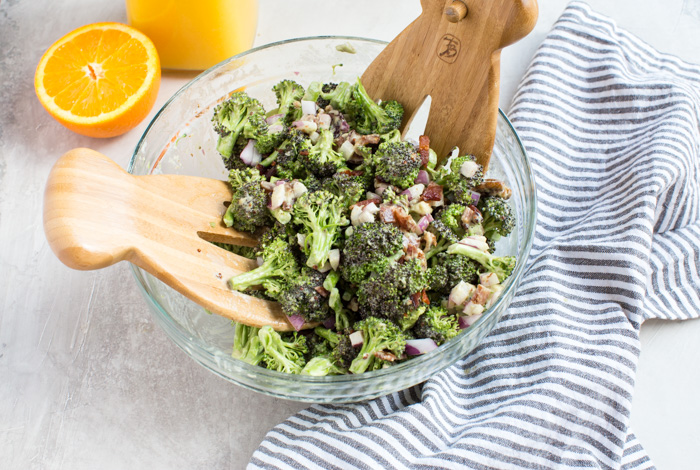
<point x="96" y="214"/>
<point x="452" y="53"/>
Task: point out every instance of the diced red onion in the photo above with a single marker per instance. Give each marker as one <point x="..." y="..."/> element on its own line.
<point x="250" y="154"/>
<point x="266" y="185"/>
<point x="308" y="107"/>
<point x="469" y="169"/>
<point x="274" y="118"/>
<point x="275" y="129"/>
<point x="334" y="258"/>
<point x="298" y="188"/>
<point x="371" y="195"/>
<point x="467" y="321"/>
<point x="365" y="217"/>
<point x="488" y="279"/>
<point x="357" y="338"/>
<point x="425" y="221"/>
<point x="329" y="322"/>
<point x="279" y="182"/>
<point x="325" y="268"/>
<point x="414" y="192"/>
<point x="475" y="197"/>
<point x="259" y="260"/>
<point x="347" y="149"/>
<point x="305" y="126"/>
<point x="371" y="208"/>
<point x="324" y="121"/>
<point x="277" y="198"/>
<point x="416" y="347"/>
<point x="460" y="293"/>
<point x="355" y="214"/>
<point x="473" y="308"/>
<point x="475" y="242"/>
<point x="297" y="321"/>
<point x="422" y="178"/>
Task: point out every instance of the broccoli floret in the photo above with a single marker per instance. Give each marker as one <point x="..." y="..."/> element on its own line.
<point x="457" y="268"/>
<point x="397" y="163"/>
<point x="302" y="296"/>
<point x="409" y="319"/>
<point x="320" y="366"/>
<point x="321" y="159"/>
<point x="394" y="292"/>
<point x="278" y="268"/>
<point x="379" y="336"/>
<point x="444" y="238"/>
<point x="320" y="215"/>
<point x="498" y="217"/>
<point x="287" y="156"/>
<point x="232" y="121"/>
<point x="246" y="344"/>
<point x="369" y="249"/>
<point x="337" y="95"/>
<point x="501" y="265"/>
<point x="248" y="208"/>
<point x="287" y="92"/>
<point x="371" y="118"/>
<point x="437" y="325"/>
<point x="350" y="186"/>
<point x="451" y="216"/>
<point x="342" y="351"/>
<point x="313" y="91"/>
<point x="342" y="320"/>
<point x="392" y="136"/>
<point x="282" y="354"/>
<point x="465" y="174"/>
<point x="267" y="137"/>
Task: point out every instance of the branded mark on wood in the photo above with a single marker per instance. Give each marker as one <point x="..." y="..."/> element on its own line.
<point x="448" y="48"/>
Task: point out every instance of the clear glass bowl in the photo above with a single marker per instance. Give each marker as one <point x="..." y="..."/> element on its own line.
<point x="180" y="140"/>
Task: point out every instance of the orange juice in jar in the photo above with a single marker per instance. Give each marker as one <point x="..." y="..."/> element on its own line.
<point x="195" y="35"/>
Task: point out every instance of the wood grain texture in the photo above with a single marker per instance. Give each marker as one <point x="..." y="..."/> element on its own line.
<point x="457" y="64"/>
<point x="96" y="214"/>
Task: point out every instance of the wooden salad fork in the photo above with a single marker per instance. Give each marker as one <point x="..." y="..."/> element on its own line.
<point x="96" y="214"/>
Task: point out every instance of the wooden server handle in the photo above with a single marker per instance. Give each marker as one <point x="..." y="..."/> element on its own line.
<point x="96" y="214"/>
<point x="451" y="53"/>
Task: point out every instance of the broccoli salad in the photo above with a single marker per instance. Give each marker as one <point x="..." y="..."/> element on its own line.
<point x="360" y="232"/>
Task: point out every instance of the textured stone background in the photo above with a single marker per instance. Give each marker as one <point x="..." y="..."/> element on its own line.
<point x="87" y="380"/>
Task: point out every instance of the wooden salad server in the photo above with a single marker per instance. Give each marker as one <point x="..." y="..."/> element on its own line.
<point x="451" y="53"/>
<point x="96" y="214"/>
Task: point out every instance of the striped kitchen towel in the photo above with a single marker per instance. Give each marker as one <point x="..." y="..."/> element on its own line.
<point x="612" y="129"/>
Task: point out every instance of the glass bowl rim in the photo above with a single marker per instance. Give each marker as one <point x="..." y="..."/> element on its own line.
<point x="417" y="361"/>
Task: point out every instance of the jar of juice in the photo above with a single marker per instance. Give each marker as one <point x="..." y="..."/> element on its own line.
<point x="195" y="35"/>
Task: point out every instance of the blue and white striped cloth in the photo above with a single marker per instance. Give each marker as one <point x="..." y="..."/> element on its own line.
<point x="612" y="129"/>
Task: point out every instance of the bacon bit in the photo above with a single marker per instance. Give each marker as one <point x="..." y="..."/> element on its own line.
<point x="425" y="298"/>
<point x="322" y="291"/>
<point x="416" y="298"/>
<point x="467" y="216"/>
<point x="430" y="240"/>
<point x="414" y="252"/>
<point x="491" y="187"/>
<point x="385" y="356"/>
<point x="481" y="295"/>
<point x="386" y="213"/>
<point x="478" y="217"/>
<point x="356" y="138"/>
<point x="433" y="192"/>
<point x="351" y="172"/>
<point x="366" y="202"/>
<point x="424" y="150"/>
<point x="405" y="221"/>
<point x="304" y="152"/>
<point x="286" y="206"/>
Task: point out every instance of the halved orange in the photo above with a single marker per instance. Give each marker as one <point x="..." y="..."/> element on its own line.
<point x="100" y="80"/>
